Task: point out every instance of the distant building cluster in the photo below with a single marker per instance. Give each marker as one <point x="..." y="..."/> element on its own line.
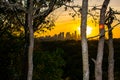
<point x="62" y="36"/>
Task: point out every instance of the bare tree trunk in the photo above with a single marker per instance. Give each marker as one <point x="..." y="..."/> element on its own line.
<point x="109" y="21"/>
<point x="31" y="39"/>
<point x="111" y="56"/>
<point x="84" y="40"/>
<point x="98" y="64"/>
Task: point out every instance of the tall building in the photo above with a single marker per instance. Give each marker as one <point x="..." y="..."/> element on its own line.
<point x="75" y="35"/>
<point x="61" y="36"/>
<point x="68" y="36"/>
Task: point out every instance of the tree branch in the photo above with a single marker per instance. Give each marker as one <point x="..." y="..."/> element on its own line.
<point x="10" y="6"/>
<point x="103" y="33"/>
<point x="18" y="17"/>
<point x="45" y="13"/>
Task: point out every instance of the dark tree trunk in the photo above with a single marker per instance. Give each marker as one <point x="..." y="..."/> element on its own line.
<point x="98" y="64"/>
<point x="84" y="43"/>
<point x="25" y="53"/>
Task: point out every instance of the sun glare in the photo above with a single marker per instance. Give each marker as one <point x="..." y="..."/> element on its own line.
<point x="89" y="30"/>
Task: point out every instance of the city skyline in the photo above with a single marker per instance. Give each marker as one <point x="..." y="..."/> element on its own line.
<point x="66" y="23"/>
<point x="61" y="36"/>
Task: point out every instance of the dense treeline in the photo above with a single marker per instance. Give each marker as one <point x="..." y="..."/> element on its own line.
<point x="54" y="59"/>
<point x="73" y="57"/>
<point x="47" y="64"/>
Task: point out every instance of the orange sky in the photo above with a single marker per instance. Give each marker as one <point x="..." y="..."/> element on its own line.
<point x="65" y="23"/>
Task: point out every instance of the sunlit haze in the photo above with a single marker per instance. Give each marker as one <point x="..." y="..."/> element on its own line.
<point x="66" y="23"/>
<point x="88" y="31"/>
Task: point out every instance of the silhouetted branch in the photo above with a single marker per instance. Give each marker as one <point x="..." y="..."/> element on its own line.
<point x="3" y="21"/>
<point x="111" y="16"/>
<point x="103" y="33"/>
<point x="45" y="13"/>
<point x="93" y="16"/>
<point x="10" y="6"/>
<point x="18" y="17"/>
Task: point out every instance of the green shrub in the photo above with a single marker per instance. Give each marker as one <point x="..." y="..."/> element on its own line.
<point x="48" y="65"/>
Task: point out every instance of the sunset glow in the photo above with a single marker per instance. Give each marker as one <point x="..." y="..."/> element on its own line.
<point x="66" y="23"/>
<point x="89" y="30"/>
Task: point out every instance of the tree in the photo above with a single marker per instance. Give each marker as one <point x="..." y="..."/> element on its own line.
<point x="11" y="46"/>
<point x="84" y="40"/>
<point x="29" y="13"/>
<point x="31" y="38"/>
<point x="48" y="65"/>
<point x="98" y="63"/>
<point x="111" y="51"/>
<point x="110" y="16"/>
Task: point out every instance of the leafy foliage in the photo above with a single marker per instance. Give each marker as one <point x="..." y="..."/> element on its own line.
<point x="48" y="65"/>
<point x="10" y="56"/>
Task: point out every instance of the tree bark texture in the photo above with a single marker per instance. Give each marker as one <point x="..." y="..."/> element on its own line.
<point x="111" y="56"/>
<point x="109" y="21"/>
<point x="31" y="39"/>
<point x="98" y="64"/>
<point x="84" y="43"/>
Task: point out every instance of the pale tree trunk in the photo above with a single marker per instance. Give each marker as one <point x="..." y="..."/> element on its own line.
<point x="98" y="64"/>
<point x="31" y="39"/>
<point x="111" y="56"/>
<point x="109" y="21"/>
<point x="84" y="40"/>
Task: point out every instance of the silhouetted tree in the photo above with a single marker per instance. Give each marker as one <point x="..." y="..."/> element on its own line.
<point x="29" y="13"/>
